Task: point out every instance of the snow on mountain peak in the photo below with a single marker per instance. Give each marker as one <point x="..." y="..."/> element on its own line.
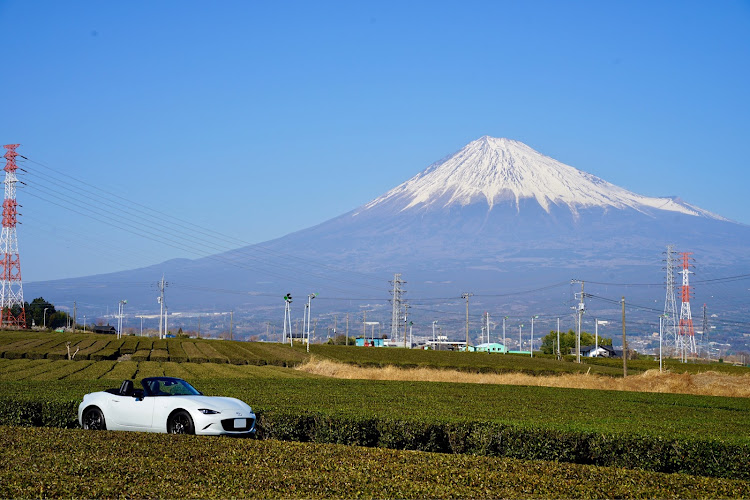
<point x="494" y="170"/>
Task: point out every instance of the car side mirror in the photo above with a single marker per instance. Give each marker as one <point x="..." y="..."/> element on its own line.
<point x="138" y="394"/>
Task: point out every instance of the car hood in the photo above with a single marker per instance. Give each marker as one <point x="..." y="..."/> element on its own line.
<point x="217" y="403"/>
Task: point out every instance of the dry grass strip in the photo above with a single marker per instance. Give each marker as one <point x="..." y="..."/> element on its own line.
<point x="706" y="383"/>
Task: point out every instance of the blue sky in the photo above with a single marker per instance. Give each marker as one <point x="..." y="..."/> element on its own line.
<point x="259" y="119"/>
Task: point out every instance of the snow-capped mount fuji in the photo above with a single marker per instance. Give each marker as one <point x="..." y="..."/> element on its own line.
<point x="497" y="170"/>
<point x="496" y="215"/>
<point x="498" y="207"/>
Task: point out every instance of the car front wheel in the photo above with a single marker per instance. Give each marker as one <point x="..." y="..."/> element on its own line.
<point x="93" y="419"/>
<point x="180" y="423"/>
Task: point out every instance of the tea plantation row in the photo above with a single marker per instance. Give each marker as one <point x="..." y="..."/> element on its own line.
<point x="658" y="432"/>
<point x="35" y="345"/>
<point x="53" y="463"/>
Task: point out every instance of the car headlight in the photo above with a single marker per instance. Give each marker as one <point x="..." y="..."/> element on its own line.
<point x="207" y="411"/>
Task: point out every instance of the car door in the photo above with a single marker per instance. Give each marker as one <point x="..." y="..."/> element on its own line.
<point x="131" y="413"/>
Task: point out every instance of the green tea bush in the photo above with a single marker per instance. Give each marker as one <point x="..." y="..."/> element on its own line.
<point x="141" y="355"/>
<point x="172" y="369"/>
<point x="37" y="367"/>
<point x="275" y="354"/>
<point x="122" y="370"/>
<point x="159" y="355"/>
<point x="176" y="352"/>
<point x="473" y="362"/>
<point x="149" y="369"/>
<point x="129" y="345"/>
<point x="62" y="463"/>
<point x="193" y="353"/>
<point x="144" y="344"/>
<point x="233" y="352"/>
<point x="62" y="369"/>
<point x="211" y="354"/>
<point x="94" y="371"/>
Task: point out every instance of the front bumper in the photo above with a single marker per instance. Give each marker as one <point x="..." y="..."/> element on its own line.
<point x="220" y="425"/>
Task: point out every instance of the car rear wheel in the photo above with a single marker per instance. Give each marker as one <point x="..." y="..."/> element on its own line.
<point x="93" y="419"/>
<point x="180" y="423"/>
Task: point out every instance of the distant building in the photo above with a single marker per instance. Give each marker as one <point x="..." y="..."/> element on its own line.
<point x="370" y="342"/>
<point x="488" y="347"/>
<point x="602" y="351"/>
<point x="105" y="329"/>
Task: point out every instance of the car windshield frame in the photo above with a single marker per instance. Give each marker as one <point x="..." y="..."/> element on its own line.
<point x="168" y="386"/>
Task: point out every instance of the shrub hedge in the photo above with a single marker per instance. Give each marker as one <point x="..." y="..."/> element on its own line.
<point x="688" y="456"/>
<point x="58" y="463"/>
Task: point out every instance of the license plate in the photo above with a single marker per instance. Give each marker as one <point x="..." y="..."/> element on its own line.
<point x="240" y="423"/>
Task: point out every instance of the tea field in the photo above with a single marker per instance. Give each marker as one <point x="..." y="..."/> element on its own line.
<point x="50" y="463"/>
<point x="638" y="433"/>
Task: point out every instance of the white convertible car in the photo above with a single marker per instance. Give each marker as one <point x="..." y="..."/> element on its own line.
<point x="165" y="404"/>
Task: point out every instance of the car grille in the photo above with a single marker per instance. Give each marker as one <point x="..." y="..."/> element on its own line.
<point x="228" y="425"/>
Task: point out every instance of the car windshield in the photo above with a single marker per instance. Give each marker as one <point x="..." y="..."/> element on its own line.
<point x="168" y="386"/>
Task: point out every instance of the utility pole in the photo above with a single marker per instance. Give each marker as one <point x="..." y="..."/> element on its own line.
<point x="488" y="326"/>
<point x="624" y="343"/>
<point x="75" y="311"/>
<point x="661" y="328"/>
<point x="406" y="321"/>
<point x="704" y="336"/>
<point x="581" y="309"/>
<point x="287" y="318"/>
<point x="309" y="316"/>
<point x="347" y="328"/>
<point x="231" y="325"/>
<point x="531" y="349"/>
<point x="559" y="354"/>
<point x="199" y="326"/>
<point x="505" y="343"/>
<point x="466" y="296"/>
<point x="162" y="285"/>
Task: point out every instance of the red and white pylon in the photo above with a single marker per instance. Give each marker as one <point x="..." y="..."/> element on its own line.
<point x="686" y="331"/>
<point x="12" y="309"/>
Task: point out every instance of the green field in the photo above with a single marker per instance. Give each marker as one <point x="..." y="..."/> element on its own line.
<point x="699" y="435"/>
<point x="90" y="347"/>
<point x="73" y="463"/>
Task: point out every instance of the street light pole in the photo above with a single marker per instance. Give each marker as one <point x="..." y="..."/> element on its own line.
<point x="434" y="340"/>
<point x="45" y="317"/>
<point x="466" y="296"/>
<point x="309" y="316"/>
<point x="120" y="312"/>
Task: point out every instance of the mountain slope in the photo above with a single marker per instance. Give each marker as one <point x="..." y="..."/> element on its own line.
<point x="495" y="215"/>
